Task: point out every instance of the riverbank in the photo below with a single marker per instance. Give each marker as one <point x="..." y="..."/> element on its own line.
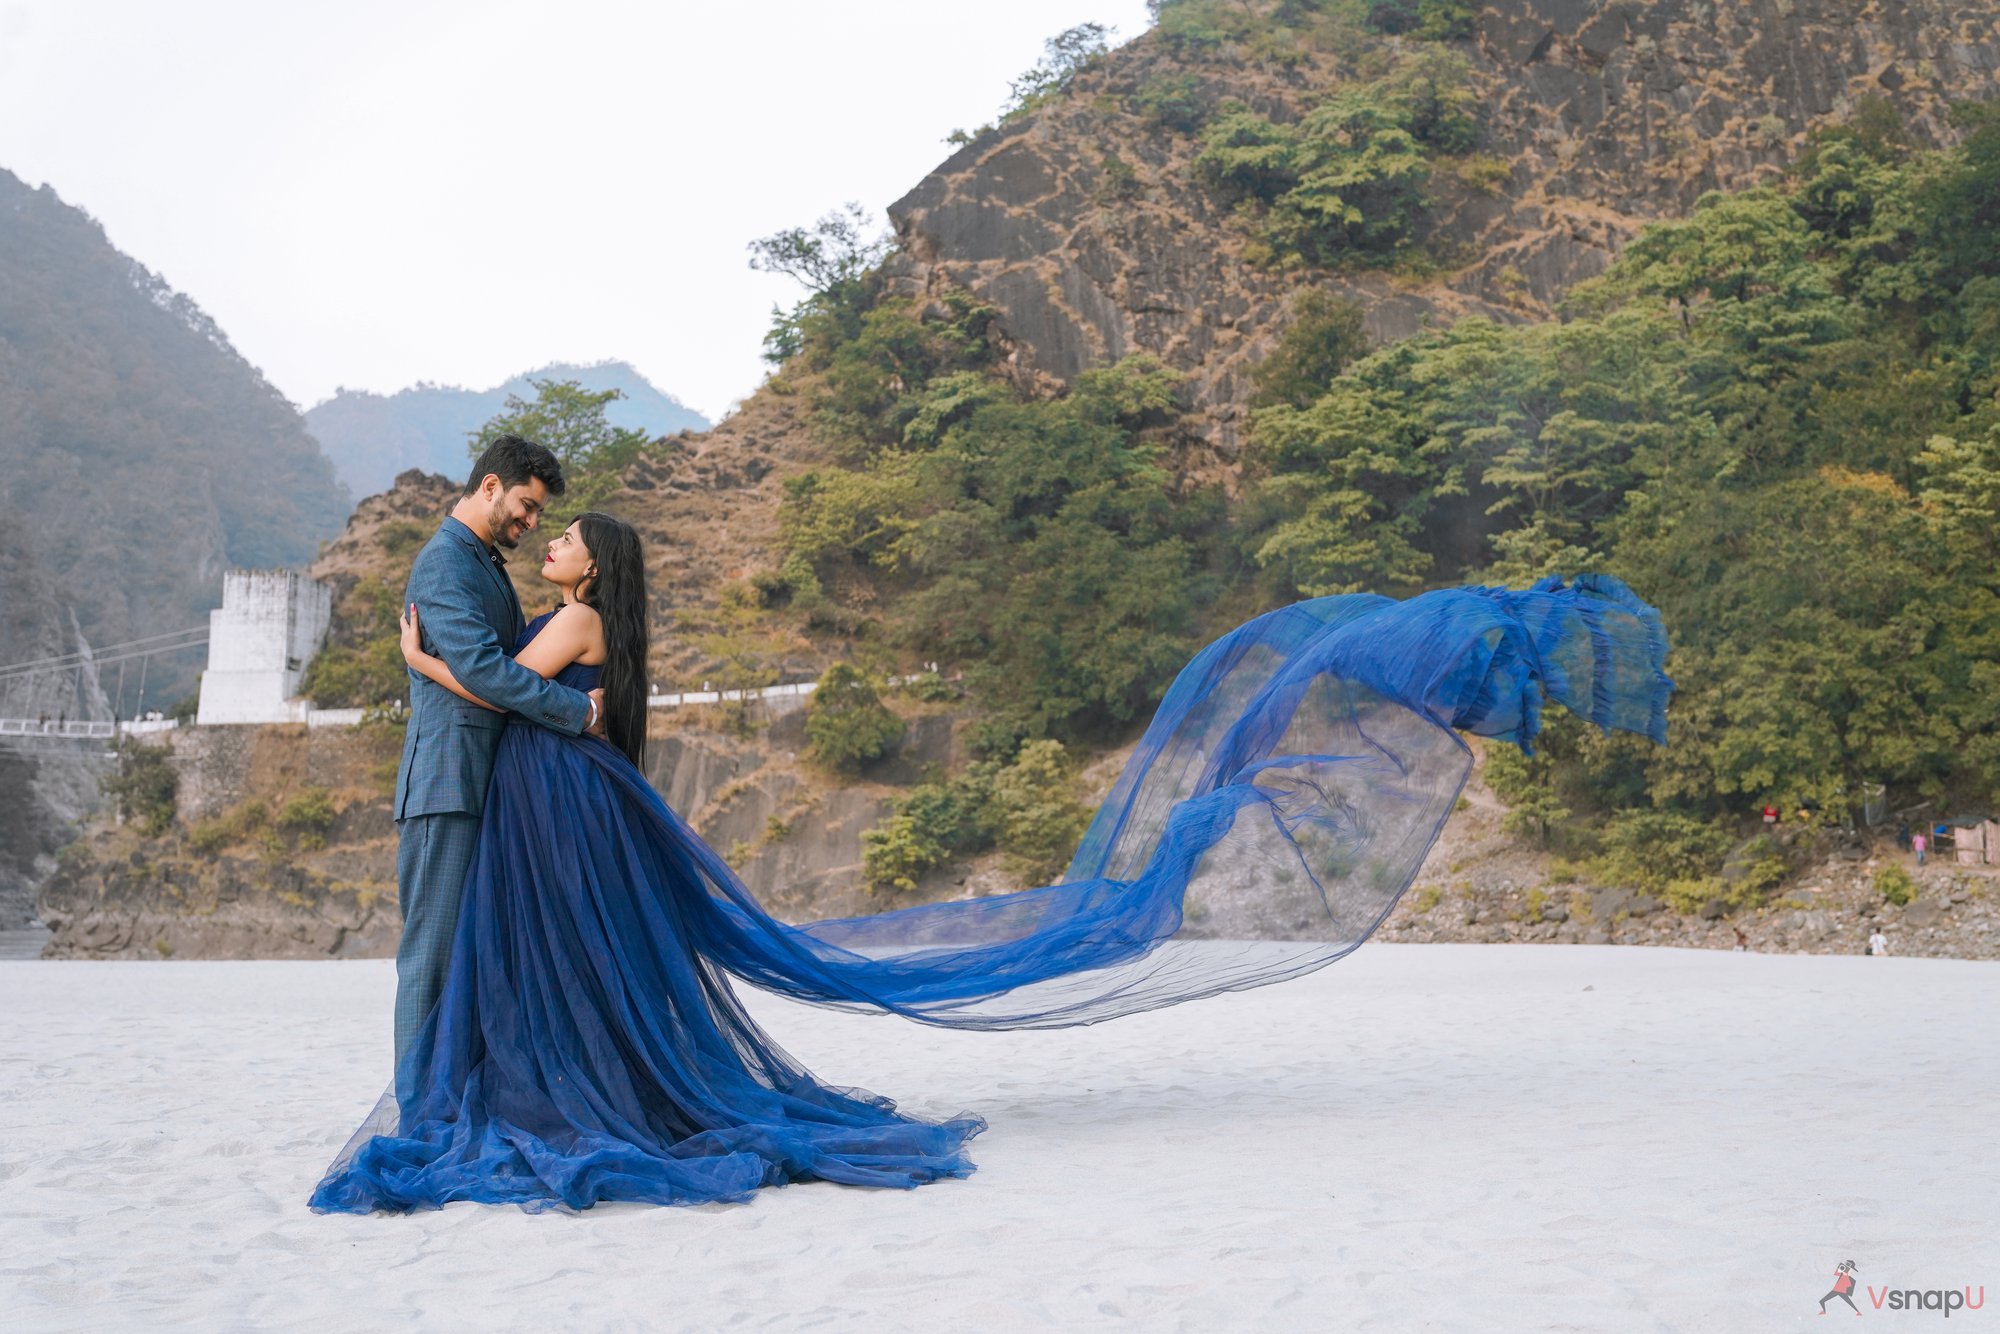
<point x="1418" y="1137"/>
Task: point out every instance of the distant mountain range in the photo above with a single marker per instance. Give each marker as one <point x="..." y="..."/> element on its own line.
<point x="373" y="437"/>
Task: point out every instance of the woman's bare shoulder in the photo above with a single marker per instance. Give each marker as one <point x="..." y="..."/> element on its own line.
<point x="579" y="624"/>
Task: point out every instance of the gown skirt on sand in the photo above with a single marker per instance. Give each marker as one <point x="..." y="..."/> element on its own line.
<point x="589" y="1046"/>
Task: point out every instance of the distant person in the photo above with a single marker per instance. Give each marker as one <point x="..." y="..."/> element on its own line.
<point x="1878" y="944"/>
<point x="1843" y="1284"/>
<point x="1903" y="837"/>
<point x="1919" y="844"/>
<point x="1742" y="939"/>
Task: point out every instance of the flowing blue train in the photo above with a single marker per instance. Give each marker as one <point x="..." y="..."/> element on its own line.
<point x="589" y="1046"/>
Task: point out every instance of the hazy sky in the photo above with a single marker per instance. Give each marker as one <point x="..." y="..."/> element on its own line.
<point x="370" y="193"/>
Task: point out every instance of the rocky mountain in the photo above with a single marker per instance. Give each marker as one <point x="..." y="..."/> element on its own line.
<point x="146" y="454"/>
<point x="1086" y="223"/>
<point x="47" y="784"/>
<point x="374" y="437"/>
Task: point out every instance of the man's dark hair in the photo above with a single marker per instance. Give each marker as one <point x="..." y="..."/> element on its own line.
<point x="514" y="460"/>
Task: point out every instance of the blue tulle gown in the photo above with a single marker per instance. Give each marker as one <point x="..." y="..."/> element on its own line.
<point x="589" y="1045"/>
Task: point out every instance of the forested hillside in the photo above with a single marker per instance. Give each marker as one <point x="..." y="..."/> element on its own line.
<point x="1219" y="320"/>
<point x="139" y="452"/>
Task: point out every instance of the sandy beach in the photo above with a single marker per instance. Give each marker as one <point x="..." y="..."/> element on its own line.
<point x="1420" y="1137"/>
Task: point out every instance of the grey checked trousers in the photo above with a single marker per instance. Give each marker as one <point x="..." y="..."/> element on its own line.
<point x="432" y="852"/>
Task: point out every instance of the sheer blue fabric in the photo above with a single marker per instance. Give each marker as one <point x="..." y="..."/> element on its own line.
<point x="589" y="1046"/>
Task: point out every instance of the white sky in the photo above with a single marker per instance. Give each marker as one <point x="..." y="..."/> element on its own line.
<point x="368" y="193"/>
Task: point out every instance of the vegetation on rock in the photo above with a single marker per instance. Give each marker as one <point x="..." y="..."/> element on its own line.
<point x="1779" y="420"/>
<point x="145" y="787"/>
<point x="848" y="725"/>
<point x="1350" y="180"/>
<point x="364" y="665"/>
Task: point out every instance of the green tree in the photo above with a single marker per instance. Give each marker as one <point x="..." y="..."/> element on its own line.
<point x="832" y="259"/>
<point x="1349" y="181"/>
<point x="1063" y="56"/>
<point x="145" y="787"/>
<point x="1527" y="783"/>
<point x="1326" y="335"/>
<point x="1040" y="819"/>
<point x="570" y="421"/>
<point x="848" y="725"/>
<point x="896" y="852"/>
<point x="1039" y="542"/>
<point x="364" y="664"/>
<point x="1430" y="20"/>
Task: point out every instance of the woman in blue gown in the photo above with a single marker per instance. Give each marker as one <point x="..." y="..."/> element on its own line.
<point x="589" y="1045"/>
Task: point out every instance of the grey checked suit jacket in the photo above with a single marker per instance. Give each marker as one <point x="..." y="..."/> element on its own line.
<point x="470" y="617"/>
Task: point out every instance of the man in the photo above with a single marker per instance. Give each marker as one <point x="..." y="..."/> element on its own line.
<point x="471" y="618"/>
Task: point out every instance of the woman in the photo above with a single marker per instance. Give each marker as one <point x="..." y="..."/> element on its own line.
<point x="588" y="1045"/>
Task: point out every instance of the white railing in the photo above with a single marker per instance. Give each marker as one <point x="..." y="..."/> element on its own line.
<point x="680" y="697"/>
<point x="334" y="717"/>
<point x="300" y="711"/>
<point x="80" y="730"/>
<point x="84" y="730"/>
<point x="796" y="690"/>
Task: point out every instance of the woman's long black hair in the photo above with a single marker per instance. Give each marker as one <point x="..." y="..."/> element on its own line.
<point x="618" y="592"/>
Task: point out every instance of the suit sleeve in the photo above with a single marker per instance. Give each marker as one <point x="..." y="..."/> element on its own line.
<point x="471" y="647"/>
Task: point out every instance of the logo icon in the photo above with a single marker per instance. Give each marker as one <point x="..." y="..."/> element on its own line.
<point x="1843" y="1287"/>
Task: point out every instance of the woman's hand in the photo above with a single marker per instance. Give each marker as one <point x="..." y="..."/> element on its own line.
<point x="413" y="641"/>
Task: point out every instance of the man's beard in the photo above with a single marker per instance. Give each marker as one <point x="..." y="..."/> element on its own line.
<point x="501" y="523"/>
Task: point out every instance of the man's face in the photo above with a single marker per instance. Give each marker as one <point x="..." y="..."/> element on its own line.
<point x="514" y="510"/>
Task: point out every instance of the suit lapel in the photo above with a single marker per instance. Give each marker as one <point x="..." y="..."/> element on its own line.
<point x="509" y="598"/>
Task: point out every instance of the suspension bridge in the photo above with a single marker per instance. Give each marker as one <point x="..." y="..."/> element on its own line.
<point x="89" y="665"/>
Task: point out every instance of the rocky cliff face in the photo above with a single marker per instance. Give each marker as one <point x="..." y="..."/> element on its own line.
<point x="234" y="878"/>
<point x="1606" y="114"/>
<point x="45" y="784"/>
<point x="1602" y="114"/>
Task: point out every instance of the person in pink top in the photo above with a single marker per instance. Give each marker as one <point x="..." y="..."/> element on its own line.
<point x="1918" y="843"/>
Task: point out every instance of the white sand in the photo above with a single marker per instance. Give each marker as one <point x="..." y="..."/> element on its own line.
<point x="1420" y="1137"/>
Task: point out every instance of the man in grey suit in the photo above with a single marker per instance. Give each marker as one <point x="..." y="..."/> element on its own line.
<point x="470" y="617"/>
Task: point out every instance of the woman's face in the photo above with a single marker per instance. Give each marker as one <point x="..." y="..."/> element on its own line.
<point x="568" y="562"/>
